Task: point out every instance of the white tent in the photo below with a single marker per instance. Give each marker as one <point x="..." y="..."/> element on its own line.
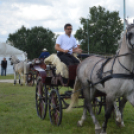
<point x="6" y="50"/>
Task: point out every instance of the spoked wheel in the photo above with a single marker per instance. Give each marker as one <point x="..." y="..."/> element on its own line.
<point x="41" y="99"/>
<point x="98" y="105"/>
<point x="55" y="108"/>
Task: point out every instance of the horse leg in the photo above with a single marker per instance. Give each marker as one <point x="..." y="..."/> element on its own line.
<point x="14" y="77"/>
<point x="25" y="79"/>
<point x="117" y="114"/>
<point x="25" y="73"/>
<point x="107" y="114"/>
<point x="88" y="105"/>
<point x="19" y="78"/>
<point x="121" y="107"/>
<point x="21" y="75"/>
<point x="83" y="118"/>
<point x="75" y="95"/>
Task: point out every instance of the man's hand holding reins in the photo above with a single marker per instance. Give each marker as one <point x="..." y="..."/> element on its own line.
<point x="77" y="50"/>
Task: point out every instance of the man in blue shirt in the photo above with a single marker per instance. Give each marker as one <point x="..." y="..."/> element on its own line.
<point x="44" y="54"/>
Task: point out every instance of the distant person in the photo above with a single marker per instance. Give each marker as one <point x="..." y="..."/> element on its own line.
<point x="44" y="54"/>
<point x="3" y="67"/>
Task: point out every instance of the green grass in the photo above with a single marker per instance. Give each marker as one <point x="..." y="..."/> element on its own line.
<point x="18" y="116"/>
<point x="11" y="76"/>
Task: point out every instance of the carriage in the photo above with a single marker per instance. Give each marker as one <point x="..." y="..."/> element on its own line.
<point x="47" y="92"/>
<point x="37" y="68"/>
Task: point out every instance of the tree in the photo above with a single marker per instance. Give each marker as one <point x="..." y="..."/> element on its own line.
<point x="33" y="40"/>
<point x="104" y="28"/>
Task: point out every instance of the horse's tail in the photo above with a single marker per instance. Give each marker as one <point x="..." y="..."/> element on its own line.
<point x="75" y="94"/>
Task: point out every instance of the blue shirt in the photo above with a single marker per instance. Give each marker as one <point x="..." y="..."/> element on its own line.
<point x="44" y="55"/>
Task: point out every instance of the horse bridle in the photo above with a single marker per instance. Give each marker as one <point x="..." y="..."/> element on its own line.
<point x="116" y="75"/>
<point x="128" y="34"/>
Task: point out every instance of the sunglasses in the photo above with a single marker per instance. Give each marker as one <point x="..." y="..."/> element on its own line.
<point x="69" y="29"/>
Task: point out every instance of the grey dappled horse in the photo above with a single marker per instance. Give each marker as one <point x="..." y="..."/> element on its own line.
<point x="20" y="68"/>
<point x="87" y="73"/>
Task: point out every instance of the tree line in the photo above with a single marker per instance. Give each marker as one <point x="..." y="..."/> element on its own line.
<point x="102" y="28"/>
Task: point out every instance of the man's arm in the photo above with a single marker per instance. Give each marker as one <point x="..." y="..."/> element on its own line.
<point x="77" y="48"/>
<point x="40" y="56"/>
<point x="58" y="48"/>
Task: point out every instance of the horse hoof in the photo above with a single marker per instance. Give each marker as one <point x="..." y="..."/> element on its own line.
<point x="118" y="123"/>
<point x="118" y="118"/>
<point x="97" y="130"/>
<point x="122" y="124"/>
<point x="79" y="124"/>
<point x="103" y="132"/>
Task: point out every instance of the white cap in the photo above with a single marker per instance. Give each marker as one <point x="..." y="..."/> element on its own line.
<point x="44" y="49"/>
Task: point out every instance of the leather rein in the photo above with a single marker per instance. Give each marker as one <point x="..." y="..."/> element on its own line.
<point x="116" y="75"/>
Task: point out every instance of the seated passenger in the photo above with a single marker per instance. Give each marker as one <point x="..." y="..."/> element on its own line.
<point x="44" y="54"/>
<point x="65" y="45"/>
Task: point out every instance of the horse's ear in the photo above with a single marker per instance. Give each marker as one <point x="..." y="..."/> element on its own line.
<point x="126" y="22"/>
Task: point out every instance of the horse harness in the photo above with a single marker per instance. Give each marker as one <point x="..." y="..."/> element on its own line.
<point x="100" y="72"/>
<point x="15" y="64"/>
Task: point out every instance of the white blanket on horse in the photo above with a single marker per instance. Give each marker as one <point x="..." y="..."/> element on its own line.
<point x="61" y="68"/>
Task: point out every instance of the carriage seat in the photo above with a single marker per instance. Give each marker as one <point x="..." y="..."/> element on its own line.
<point x="37" y="61"/>
<point x="61" y="68"/>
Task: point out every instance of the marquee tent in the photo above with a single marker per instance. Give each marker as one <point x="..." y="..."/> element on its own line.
<point x="6" y="50"/>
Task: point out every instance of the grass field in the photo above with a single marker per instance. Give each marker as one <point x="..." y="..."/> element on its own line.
<point x="18" y="116"/>
<point x="11" y="76"/>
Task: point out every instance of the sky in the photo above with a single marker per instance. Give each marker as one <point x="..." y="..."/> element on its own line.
<point x="52" y="14"/>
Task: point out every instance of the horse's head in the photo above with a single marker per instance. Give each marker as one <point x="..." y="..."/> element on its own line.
<point x="13" y="60"/>
<point x="130" y="35"/>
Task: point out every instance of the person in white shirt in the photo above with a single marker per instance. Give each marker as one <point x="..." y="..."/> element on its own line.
<point x="65" y="45"/>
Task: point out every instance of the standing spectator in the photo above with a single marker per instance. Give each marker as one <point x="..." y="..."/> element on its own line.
<point x="3" y="67"/>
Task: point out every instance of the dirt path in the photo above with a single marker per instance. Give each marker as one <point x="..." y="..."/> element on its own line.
<point x="7" y="81"/>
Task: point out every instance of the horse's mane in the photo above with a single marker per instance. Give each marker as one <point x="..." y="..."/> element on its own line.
<point x="120" y="41"/>
<point x="122" y="36"/>
<point x="129" y="27"/>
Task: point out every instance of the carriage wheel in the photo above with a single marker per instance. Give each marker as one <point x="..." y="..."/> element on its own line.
<point x="30" y="79"/>
<point x="55" y="108"/>
<point x="98" y="105"/>
<point x="41" y="100"/>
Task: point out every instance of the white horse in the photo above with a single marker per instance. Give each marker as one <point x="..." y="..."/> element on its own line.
<point x="20" y="68"/>
<point x="121" y="84"/>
